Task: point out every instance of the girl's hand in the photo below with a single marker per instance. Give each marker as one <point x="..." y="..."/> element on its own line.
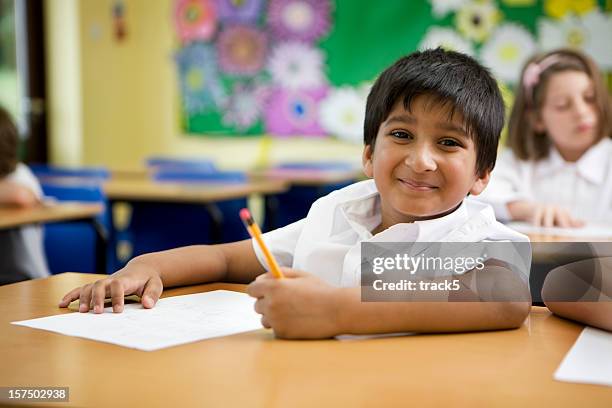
<point x="543" y="215"/>
<point x="554" y="216"/>
<point x="299" y="306"/>
<point x="135" y="278"/>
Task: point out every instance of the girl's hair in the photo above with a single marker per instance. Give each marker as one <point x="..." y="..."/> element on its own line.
<point x="9" y="143"/>
<point x="525" y="142"/>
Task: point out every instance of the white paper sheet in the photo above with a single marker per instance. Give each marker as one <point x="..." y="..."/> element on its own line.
<point x="589" y="360"/>
<point x="588" y="231"/>
<point x="173" y="321"/>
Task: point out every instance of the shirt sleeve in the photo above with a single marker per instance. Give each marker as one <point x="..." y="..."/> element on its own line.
<point x="24" y="177"/>
<point x="281" y="242"/>
<point x="507" y="184"/>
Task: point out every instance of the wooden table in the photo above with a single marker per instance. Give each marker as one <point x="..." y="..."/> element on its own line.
<point x="12" y="217"/>
<point x="505" y="368"/>
<point x="123" y="189"/>
<point x="308" y="177"/>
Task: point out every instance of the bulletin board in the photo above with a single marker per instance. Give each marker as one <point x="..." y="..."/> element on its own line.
<point x="304" y="67"/>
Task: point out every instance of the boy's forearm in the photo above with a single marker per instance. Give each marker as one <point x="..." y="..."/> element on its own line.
<point x="358" y="317"/>
<point x="490" y="299"/>
<point x="179" y="266"/>
<point x="234" y="262"/>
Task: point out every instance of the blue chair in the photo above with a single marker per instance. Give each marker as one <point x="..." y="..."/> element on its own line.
<point x="45" y="170"/>
<point x="293" y="205"/>
<point x="200" y="165"/>
<point x="77" y="246"/>
<point x="161" y="226"/>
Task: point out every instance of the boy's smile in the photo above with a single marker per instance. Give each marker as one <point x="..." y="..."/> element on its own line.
<point x="423" y="162"/>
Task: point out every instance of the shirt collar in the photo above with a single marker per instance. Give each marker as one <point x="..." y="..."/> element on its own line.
<point x="363" y="215"/>
<point x="591" y="166"/>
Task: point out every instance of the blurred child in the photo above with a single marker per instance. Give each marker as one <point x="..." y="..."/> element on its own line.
<point x="432" y="125"/>
<point x="22" y="248"/>
<point x="558" y="168"/>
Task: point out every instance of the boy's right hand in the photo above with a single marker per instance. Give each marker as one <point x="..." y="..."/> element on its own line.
<point x="134" y="278"/>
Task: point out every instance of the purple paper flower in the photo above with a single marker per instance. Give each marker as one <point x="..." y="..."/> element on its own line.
<point x="242" y="50"/>
<point x="239" y="11"/>
<point x="245" y="105"/>
<point x="195" y="19"/>
<point x="294" y="113"/>
<point x="305" y="20"/>
<point x="201" y="88"/>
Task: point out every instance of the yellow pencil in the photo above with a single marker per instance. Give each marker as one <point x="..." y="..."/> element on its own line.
<point x="255" y="232"/>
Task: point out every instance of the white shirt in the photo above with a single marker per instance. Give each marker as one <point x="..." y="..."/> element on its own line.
<point x="584" y="187"/>
<point x="26" y="243"/>
<point x="327" y="243"/>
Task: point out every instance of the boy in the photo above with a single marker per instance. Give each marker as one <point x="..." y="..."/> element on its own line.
<point x="22" y="248"/>
<point x="432" y="125"/>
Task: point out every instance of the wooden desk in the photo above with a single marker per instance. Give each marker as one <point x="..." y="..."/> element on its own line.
<point x="11" y="217"/>
<point x="505" y="368"/>
<point x="310" y="177"/>
<point x="146" y="190"/>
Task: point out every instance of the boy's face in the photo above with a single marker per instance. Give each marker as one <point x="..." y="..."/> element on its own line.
<point x="423" y="162"/>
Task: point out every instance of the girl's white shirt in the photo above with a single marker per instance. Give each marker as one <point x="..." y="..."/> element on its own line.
<point x="583" y="187"/>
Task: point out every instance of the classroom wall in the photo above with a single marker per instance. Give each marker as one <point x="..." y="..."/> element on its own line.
<point x="127" y="92"/>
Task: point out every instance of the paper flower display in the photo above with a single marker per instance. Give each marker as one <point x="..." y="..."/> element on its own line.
<point x="305" y="20"/>
<point x="294" y="65"/>
<point x="476" y="19"/>
<point x="342" y="114"/>
<point x="560" y="8"/>
<point x="441" y="8"/>
<point x="195" y="19"/>
<point x="201" y="88"/>
<point x="245" y="106"/>
<point x="242" y="50"/>
<point x="507" y="50"/>
<point x="294" y="112"/>
<point x="591" y="33"/>
<point x="239" y="11"/>
<point x="446" y="38"/>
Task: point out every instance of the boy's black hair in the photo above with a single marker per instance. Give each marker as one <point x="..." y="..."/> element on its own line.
<point x="455" y="80"/>
<point x="9" y="143"/>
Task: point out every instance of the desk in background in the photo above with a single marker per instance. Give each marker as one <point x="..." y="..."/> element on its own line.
<point x="504" y="368"/>
<point x="11" y="217"/>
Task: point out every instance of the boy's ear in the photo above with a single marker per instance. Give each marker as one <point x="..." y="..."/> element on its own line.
<point x="480" y="183"/>
<point x="366" y="160"/>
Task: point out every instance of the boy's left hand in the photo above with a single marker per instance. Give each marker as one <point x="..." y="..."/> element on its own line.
<point x="301" y="306"/>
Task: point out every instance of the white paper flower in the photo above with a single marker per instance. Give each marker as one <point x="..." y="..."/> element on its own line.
<point x="477" y="19"/>
<point x="591" y="33"/>
<point x="342" y="113"/>
<point x="446" y="38"/>
<point x="441" y="8"/>
<point x="294" y="65"/>
<point x="507" y="50"/>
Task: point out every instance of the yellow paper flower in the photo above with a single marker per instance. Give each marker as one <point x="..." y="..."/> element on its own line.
<point x="559" y="8"/>
<point x="583" y="6"/>
<point x="476" y="19"/>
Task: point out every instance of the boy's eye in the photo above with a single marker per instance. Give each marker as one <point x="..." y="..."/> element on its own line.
<point x="450" y="143"/>
<point x="400" y="134"/>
